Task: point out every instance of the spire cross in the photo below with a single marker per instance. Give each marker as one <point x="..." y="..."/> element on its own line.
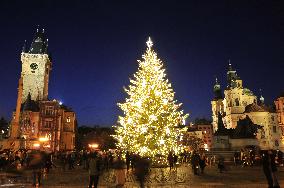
<point x="149" y="43"/>
<point x="229" y="61"/>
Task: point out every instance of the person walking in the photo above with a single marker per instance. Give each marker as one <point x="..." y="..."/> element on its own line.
<point x="202" y="162"/>
<point x="120" y="172"/>
<point x="94" y="170"/>
<point x="141" y="171"/>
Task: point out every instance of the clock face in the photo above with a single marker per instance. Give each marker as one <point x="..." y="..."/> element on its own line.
<point x="34" y="66"/>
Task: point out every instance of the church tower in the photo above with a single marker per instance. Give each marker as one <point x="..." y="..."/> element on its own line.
<point x="36" y="66"/>
<point x="217" y="105"/>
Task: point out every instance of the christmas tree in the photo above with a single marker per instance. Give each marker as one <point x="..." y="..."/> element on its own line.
<point x="151" y="122"/>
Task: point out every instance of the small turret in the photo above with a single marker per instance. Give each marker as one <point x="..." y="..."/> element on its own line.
<point x="24" y="47"/>
<point x="217" y="90"/>
<point x="261" y="98"/>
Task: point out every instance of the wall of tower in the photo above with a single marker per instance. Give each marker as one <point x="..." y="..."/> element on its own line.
<point x="35" y="80"/>
<point x="217" y="106"/>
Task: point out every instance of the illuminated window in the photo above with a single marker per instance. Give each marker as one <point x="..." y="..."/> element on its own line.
<point x="49" y="110"/>
<point x="48" y="124"/>
<point x="68" y="119"/>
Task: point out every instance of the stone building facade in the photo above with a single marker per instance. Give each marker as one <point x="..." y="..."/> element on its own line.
<point x="238" y="103"/>
<point x="40" y="123"/>
<point x="279" y="105"/>
<point x="203" y="132"/>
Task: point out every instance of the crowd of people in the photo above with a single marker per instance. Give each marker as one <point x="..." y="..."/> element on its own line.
<point x="39" y="163"/>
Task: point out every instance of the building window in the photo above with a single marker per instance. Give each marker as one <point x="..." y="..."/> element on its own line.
<point x="49" y="110"/>
<point x="68" y="119"/>
<point x="276" y="143"/>
<point x="274" y="129"/>
<point x="48" y="124"/>
<point x="272" y="118"/>
<point x="237" y="102"/>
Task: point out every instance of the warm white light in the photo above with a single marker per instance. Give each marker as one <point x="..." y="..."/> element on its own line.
<point x="206" y="147"/>
<point x="93" y="146"/>
<point x="43" y="139"/>
<point x="36" y="145"/>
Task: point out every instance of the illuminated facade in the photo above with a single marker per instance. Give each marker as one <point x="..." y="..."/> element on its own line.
<point x="40" y="123"/>
<point x="239" y="102"/>
<point x="204" y="132"/>
<point x="279" y="104"/>
<point x="236" y="98"/>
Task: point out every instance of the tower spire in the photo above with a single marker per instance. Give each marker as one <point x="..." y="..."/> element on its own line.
<point x="261" y="98"/>
<point x="230" y="65"/>
<point x="217" y="89"/>
<point x="24" y="47"/>
<point x="37" y="28"/>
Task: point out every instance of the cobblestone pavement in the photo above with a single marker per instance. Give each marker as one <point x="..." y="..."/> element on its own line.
<point x="182" y="177"/>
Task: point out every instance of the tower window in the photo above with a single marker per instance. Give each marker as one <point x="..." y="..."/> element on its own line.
<point x="237" y="102"/>
<point x="48" y="124"/>
<point x="68" y="119"/>
<point x="274" y="129"/>
<point x="49" y="110"/>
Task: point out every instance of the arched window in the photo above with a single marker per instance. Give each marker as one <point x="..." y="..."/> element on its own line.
<point x="237" y="102"/>
<point x="276" y="143"/>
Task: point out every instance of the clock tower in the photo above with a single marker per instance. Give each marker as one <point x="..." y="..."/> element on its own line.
<point x="36" y="66"/>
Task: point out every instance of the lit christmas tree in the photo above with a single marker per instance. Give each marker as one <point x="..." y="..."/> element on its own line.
<point x="151" y="123"/>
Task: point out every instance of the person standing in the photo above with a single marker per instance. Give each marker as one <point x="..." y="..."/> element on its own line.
<point x="128" y="159"/>
<point x="171" y="160"/>
<point x="269" y="169"/>
<point x="195" y="162"/>
<point x="221" y="164"/>
<point x="202" y="162"/>
<point x="94" y="170"/>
